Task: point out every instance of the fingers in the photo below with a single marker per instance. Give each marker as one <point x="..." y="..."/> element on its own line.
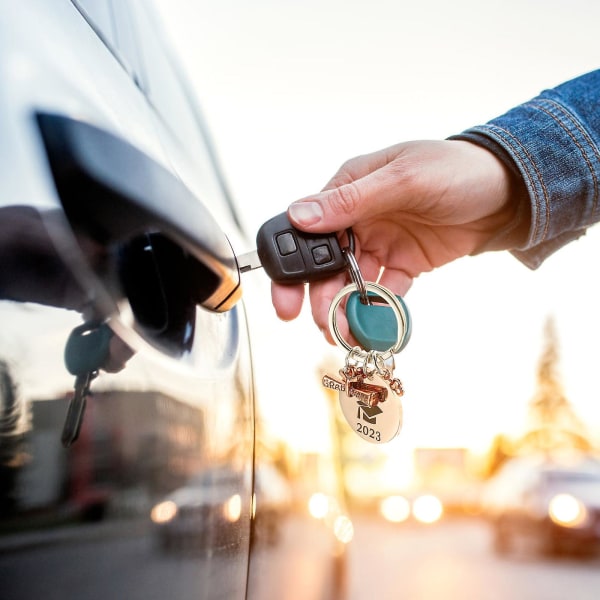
<point x="360" y="166"/>
<point x="322" y="294"/>
<point x="287" y="300"/>
<point x="433" y="182"/>
<point x="397" y="281"/>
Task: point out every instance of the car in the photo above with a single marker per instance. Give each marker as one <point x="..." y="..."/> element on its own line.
<point x="549" y="505"/>
<point x="127" y="380"/>
<point x="203" y="514"/>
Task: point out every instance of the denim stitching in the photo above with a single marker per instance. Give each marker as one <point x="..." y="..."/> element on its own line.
<point x="570" y="117"/>
<point x="515" y="143"/>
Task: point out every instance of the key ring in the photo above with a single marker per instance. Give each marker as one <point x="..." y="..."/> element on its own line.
<point x="356" y="275"/>
<point x="382" y="292"/>
<point x="354" y="269"/>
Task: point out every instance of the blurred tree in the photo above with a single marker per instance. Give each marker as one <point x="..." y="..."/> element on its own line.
<point x="553" y="422"/>
<point x="553" y="425"/>
<point x="500" y="451"/>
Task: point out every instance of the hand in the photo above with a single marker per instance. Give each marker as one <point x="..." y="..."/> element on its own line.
<point x="413" y="207"/>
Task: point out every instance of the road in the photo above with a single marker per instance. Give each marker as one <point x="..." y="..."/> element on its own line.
<point x="454" y="560"/>
<point x="112" y="561"/>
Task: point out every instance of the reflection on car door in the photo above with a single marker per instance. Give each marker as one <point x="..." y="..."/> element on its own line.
<point x="81" y="521"/>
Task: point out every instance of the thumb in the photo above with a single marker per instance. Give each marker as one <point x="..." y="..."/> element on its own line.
<point x="341" y="207"/>
<point x="331" y="210"/>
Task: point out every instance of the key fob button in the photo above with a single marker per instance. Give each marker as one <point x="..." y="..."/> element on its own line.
<point x="321" y="254"/>
<point x="286" y="243"/>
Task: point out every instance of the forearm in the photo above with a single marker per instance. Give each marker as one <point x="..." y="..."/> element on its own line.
<point x="552" y="144"/>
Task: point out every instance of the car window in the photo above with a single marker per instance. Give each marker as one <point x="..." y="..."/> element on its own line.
<point x="572" y="481"/>
<point x="559" y="477"/>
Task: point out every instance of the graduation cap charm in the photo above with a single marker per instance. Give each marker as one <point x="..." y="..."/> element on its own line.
<point x="368" y="413"/>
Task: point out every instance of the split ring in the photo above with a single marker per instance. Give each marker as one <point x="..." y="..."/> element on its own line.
<point x="382" y="292"/>
<point x="356" y="275"/>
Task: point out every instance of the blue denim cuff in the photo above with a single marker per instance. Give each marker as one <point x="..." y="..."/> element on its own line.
<point x="553" y="142"/>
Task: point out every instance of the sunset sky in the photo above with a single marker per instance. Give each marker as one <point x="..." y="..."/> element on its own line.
<point x="293" y="89"/>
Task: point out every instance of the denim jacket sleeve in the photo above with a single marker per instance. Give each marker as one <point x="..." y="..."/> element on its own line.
<point x="553" y="143"/>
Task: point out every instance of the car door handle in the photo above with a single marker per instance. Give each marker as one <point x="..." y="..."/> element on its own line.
<point x="117" y="192"/>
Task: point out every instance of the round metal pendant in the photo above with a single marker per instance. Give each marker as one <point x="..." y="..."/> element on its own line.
<point x="377" y="422"/>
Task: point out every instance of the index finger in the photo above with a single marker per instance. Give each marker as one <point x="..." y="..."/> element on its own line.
<point x="360" y="166"/>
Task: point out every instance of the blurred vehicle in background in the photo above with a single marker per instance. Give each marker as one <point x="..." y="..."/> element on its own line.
<point x="203" y="514"/>
<point x="550" y="505"/>
<point x="114" y="209"/>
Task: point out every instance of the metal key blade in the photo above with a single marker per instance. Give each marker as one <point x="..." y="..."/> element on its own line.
<point x="76" y="409"/>
<point x="249" y="261"/>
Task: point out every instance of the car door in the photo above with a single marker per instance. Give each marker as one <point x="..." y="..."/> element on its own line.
<point x="102" y="220"/>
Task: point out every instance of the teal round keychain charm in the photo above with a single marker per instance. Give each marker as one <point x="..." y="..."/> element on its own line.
<point x="87" y="347"/>
<point x="375" y="325"/>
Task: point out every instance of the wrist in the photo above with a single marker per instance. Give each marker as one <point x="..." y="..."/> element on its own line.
<point x="508" y="224"/>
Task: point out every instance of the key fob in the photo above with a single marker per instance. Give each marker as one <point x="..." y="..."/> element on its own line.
<point x="290" y="256"/>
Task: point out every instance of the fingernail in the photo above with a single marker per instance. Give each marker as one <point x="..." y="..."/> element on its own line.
<point x="306" y="213"/>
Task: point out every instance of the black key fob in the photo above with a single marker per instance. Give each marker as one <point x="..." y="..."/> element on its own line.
<point x="290" y="256"/>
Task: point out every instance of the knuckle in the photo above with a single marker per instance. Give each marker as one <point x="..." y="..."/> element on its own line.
<point x="349" y="167"/>
<point x="345" y="199"/>
<point x="345" y="175"/>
